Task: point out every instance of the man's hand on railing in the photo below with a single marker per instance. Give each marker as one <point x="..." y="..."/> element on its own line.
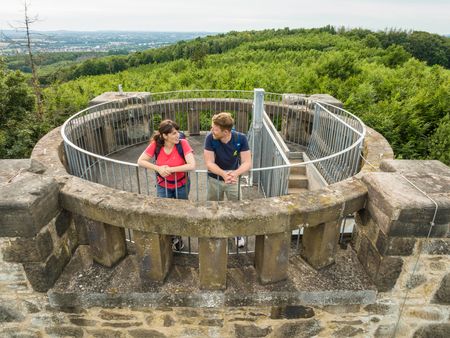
<point x="231" y="177"/>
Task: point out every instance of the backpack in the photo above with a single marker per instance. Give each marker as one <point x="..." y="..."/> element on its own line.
<point x="180" y="151"/>
<point x="235" y="139"/>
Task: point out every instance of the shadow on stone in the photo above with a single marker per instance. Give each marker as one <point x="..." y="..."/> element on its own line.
<point x="291" y="312"/>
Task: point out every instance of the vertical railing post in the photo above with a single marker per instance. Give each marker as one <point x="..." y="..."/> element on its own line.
<point x="257" y="123"/>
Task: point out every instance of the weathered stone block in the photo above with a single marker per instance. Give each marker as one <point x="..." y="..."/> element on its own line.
<point x="433" y="330"/>
<point x="42" y="276"/>
<point x="380" y="218"/>
<point x="407" y="229"/>
<point x="251" y="330"/>
<point x="37" y="249"/>
<point x="388" y="273"/>
<point x="395" y="246"/>
<point x="417" y="167"/>
<point x="369" y="257"/>
<point x="294" y="99"/>
<point x="111" y="96"/>
<point x="383" y="271"/>
<point x="8" y="314"/>
<point x="380" y="308"/>
<point x="64" y="331"/>
<point x="272" y="257"/>
<point x="442" y="295"/>
<point x="304" y="328"/>
<point x="415" y="280"/>
<point x="11" y="167"/>
<point x="402" y="210"/>
<point x="326" y="98"/>
<point x="28" y="202"/>
<point x="107" y="242"/>
<point x="348" y="331"/>
<point x="437" y="246"/>
<point x="213" y="263"/>
<point x="154" y="253"/>
<point x="320" y="244"/>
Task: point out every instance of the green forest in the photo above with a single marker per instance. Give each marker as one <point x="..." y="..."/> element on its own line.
<point x="397" y="82"/>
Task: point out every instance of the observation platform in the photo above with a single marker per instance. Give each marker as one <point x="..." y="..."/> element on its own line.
<point x="292" y="250"/>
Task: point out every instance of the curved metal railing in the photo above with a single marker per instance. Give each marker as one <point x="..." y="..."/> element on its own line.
<point x="96" y="137"/>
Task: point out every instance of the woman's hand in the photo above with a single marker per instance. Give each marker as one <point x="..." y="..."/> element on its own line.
<point x="164" y="170"/>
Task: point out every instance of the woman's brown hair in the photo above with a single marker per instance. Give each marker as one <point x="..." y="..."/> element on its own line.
<point x="165" y="127"/>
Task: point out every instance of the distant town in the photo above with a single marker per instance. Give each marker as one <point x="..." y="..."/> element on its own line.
<point x="14" y="42"/>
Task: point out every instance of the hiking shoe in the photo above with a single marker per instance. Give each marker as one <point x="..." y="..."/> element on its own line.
<point x="177" y="243"/>
<point x="240" y="242"/>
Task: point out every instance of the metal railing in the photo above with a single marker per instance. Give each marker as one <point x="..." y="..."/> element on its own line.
<point x="99" y="139"/>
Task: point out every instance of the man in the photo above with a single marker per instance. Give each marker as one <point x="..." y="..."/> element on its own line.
<point x="227" y="156"/>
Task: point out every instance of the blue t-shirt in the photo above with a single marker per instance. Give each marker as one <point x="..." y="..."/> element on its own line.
<point x="226" y="154"/>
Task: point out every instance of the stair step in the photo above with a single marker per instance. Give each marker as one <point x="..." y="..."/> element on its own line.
<point x="298" y="181"/>
<point x="296" y="155"/>
<point x="296" y="190"/>
<point x="299" y="170"/>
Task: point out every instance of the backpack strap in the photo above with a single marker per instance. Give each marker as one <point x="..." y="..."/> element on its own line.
<point x="179" y="149"/>
<point x="235" y="140"/>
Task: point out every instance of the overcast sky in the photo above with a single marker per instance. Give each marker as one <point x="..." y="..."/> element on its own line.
<point x="221" y="16"/>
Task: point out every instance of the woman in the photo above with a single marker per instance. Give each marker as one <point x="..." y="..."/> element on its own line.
<point x="168" y="150"/>
<point x="173" y="157"/>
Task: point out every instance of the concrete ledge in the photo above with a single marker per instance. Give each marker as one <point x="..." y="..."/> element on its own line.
<point x="85" y="284"/>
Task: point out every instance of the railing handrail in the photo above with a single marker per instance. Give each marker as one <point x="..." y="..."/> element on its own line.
<point x="345" y="123"/>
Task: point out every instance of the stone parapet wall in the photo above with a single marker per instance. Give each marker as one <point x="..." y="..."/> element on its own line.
<point x="41" y="235"/>
<point x="398" y="213"/>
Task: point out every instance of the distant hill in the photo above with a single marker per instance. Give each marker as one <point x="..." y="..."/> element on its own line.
<point x="95" y="41"/>
<point x="61" y="49"/>
<point x="432" y="48"/>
